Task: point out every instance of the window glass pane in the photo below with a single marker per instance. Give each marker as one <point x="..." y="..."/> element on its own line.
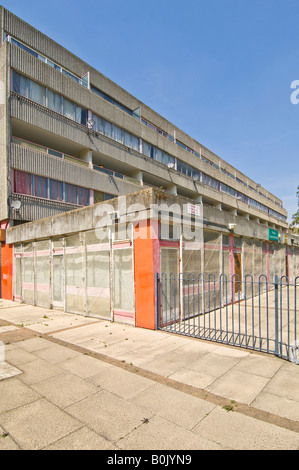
<point x="208" y="180"/>
<point x="158" y="155"/>
<point x="20" y="84"/>
<point x="85" y="80"/>
<point x="146" y="148"/>
<point x="70" y="75"/>
<point x="98" y="124"/>
<point x="108" y="129"/>
<point x="22" y="182"/>
<point x="127" y="139"/>
<point x="22" y="46"/>
<point x="83" y="196"/>
<point x="117" y="134"/>
<point x="37" y="93"/>
<point x="80" y="115"/>
<point x="108" y="196"/>
<point x="71" y="193"/>
<point x="135" y="143"/>
<point x="56" y="190"/>
<point x="53" y="152"/>
<point x="69" y="110"/>
<point x="49" y="62"/>
<point x="40" y="186"/>
<point x="54" y="101"/>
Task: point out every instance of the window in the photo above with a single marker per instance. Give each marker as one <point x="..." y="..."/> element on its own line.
<point x="71" y="193"/>
<point x="114" y="132"/>
<point x="54" y="101"/>
<point x="39" y="186"/>
<point x="83" y="196"/>
<point x="228" y="190"/>
<point x="56" y="190"/>
<point x="22" y="182"/>
<point x="209" y="181"/>
<point x="38" y="93"/>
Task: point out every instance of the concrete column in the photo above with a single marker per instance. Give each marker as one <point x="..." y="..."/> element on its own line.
<point x="137" y="175"/>
<point x="87" y="157"/>
<point x="172" y="189"/>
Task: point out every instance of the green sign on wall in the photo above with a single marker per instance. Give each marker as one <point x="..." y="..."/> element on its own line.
<point x="273" y="235"/>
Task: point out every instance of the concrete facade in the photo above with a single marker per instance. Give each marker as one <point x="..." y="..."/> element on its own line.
<point x="70" y="137"/>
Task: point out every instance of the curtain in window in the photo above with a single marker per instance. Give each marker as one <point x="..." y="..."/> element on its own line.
<point x="71" y="193"/>
<point x="37" y="93"/>
<point x="20" y="84"/>
<point x="127" y="139"/>
<point x="40" y="186"/>
<point x="108" y="129"/>
<point x="208" y="180"/>
<point x="159" y="155"/>
<point x="56" y="190"/>
<point x="69" y="109"/>
<point x="80" y="115"/>
<point x="146" y="148"/>
<point x="135" y="143"/>
<point x="22" y="182"/>
<point x="54" y="101"/>
<point x="98" y="124"/>
<point x="83" y="196"/>
<point x="117" y="134"/>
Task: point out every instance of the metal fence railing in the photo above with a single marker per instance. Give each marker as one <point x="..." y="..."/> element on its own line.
<point x="248" y="313"/>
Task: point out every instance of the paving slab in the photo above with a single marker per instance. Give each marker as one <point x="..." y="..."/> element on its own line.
<point x="285" y="383"/>
<point x="6" y="442"/>
<point x="37" y="370"/>
<point x="38" y="424"/>
<point x="214" y="364"/>
<point x="15" y="393"/>
<point x="278" y="405"/>
<point x="238" y="385"/>
<point x="160" y="434"/>
<point x="185" y="410"/>
<point x="259" y="365"/>
<point x="110" y="416"/>
<point x="240" y="432"/>
<point x="83" y="439"/>
<point x="84" y="366"/>
<point x="120" y="382"/>
<point x="55" y="353"/>
<point x="193" y="378"/>
<point x="64" y="389"/>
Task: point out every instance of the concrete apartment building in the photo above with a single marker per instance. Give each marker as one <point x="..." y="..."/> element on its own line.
<point x="71" y="138"/>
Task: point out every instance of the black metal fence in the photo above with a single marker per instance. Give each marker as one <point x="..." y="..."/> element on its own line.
<point x="248" y="313"/>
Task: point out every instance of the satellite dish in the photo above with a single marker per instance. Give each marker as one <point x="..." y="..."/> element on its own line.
<point x="90" y="123"/>
<point x="15" y="204"/>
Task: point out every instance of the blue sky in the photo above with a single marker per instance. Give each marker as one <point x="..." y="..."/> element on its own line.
<point x="221" y="70"/>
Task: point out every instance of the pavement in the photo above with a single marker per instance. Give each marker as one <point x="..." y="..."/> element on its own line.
<point x="69" y="382"/>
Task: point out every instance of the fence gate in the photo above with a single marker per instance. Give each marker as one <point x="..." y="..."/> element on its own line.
<point x="260" y="315"/>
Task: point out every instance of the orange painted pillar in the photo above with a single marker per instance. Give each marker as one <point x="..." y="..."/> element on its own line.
<point x="6" y="271"/>
<point x="146" y="265"/>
